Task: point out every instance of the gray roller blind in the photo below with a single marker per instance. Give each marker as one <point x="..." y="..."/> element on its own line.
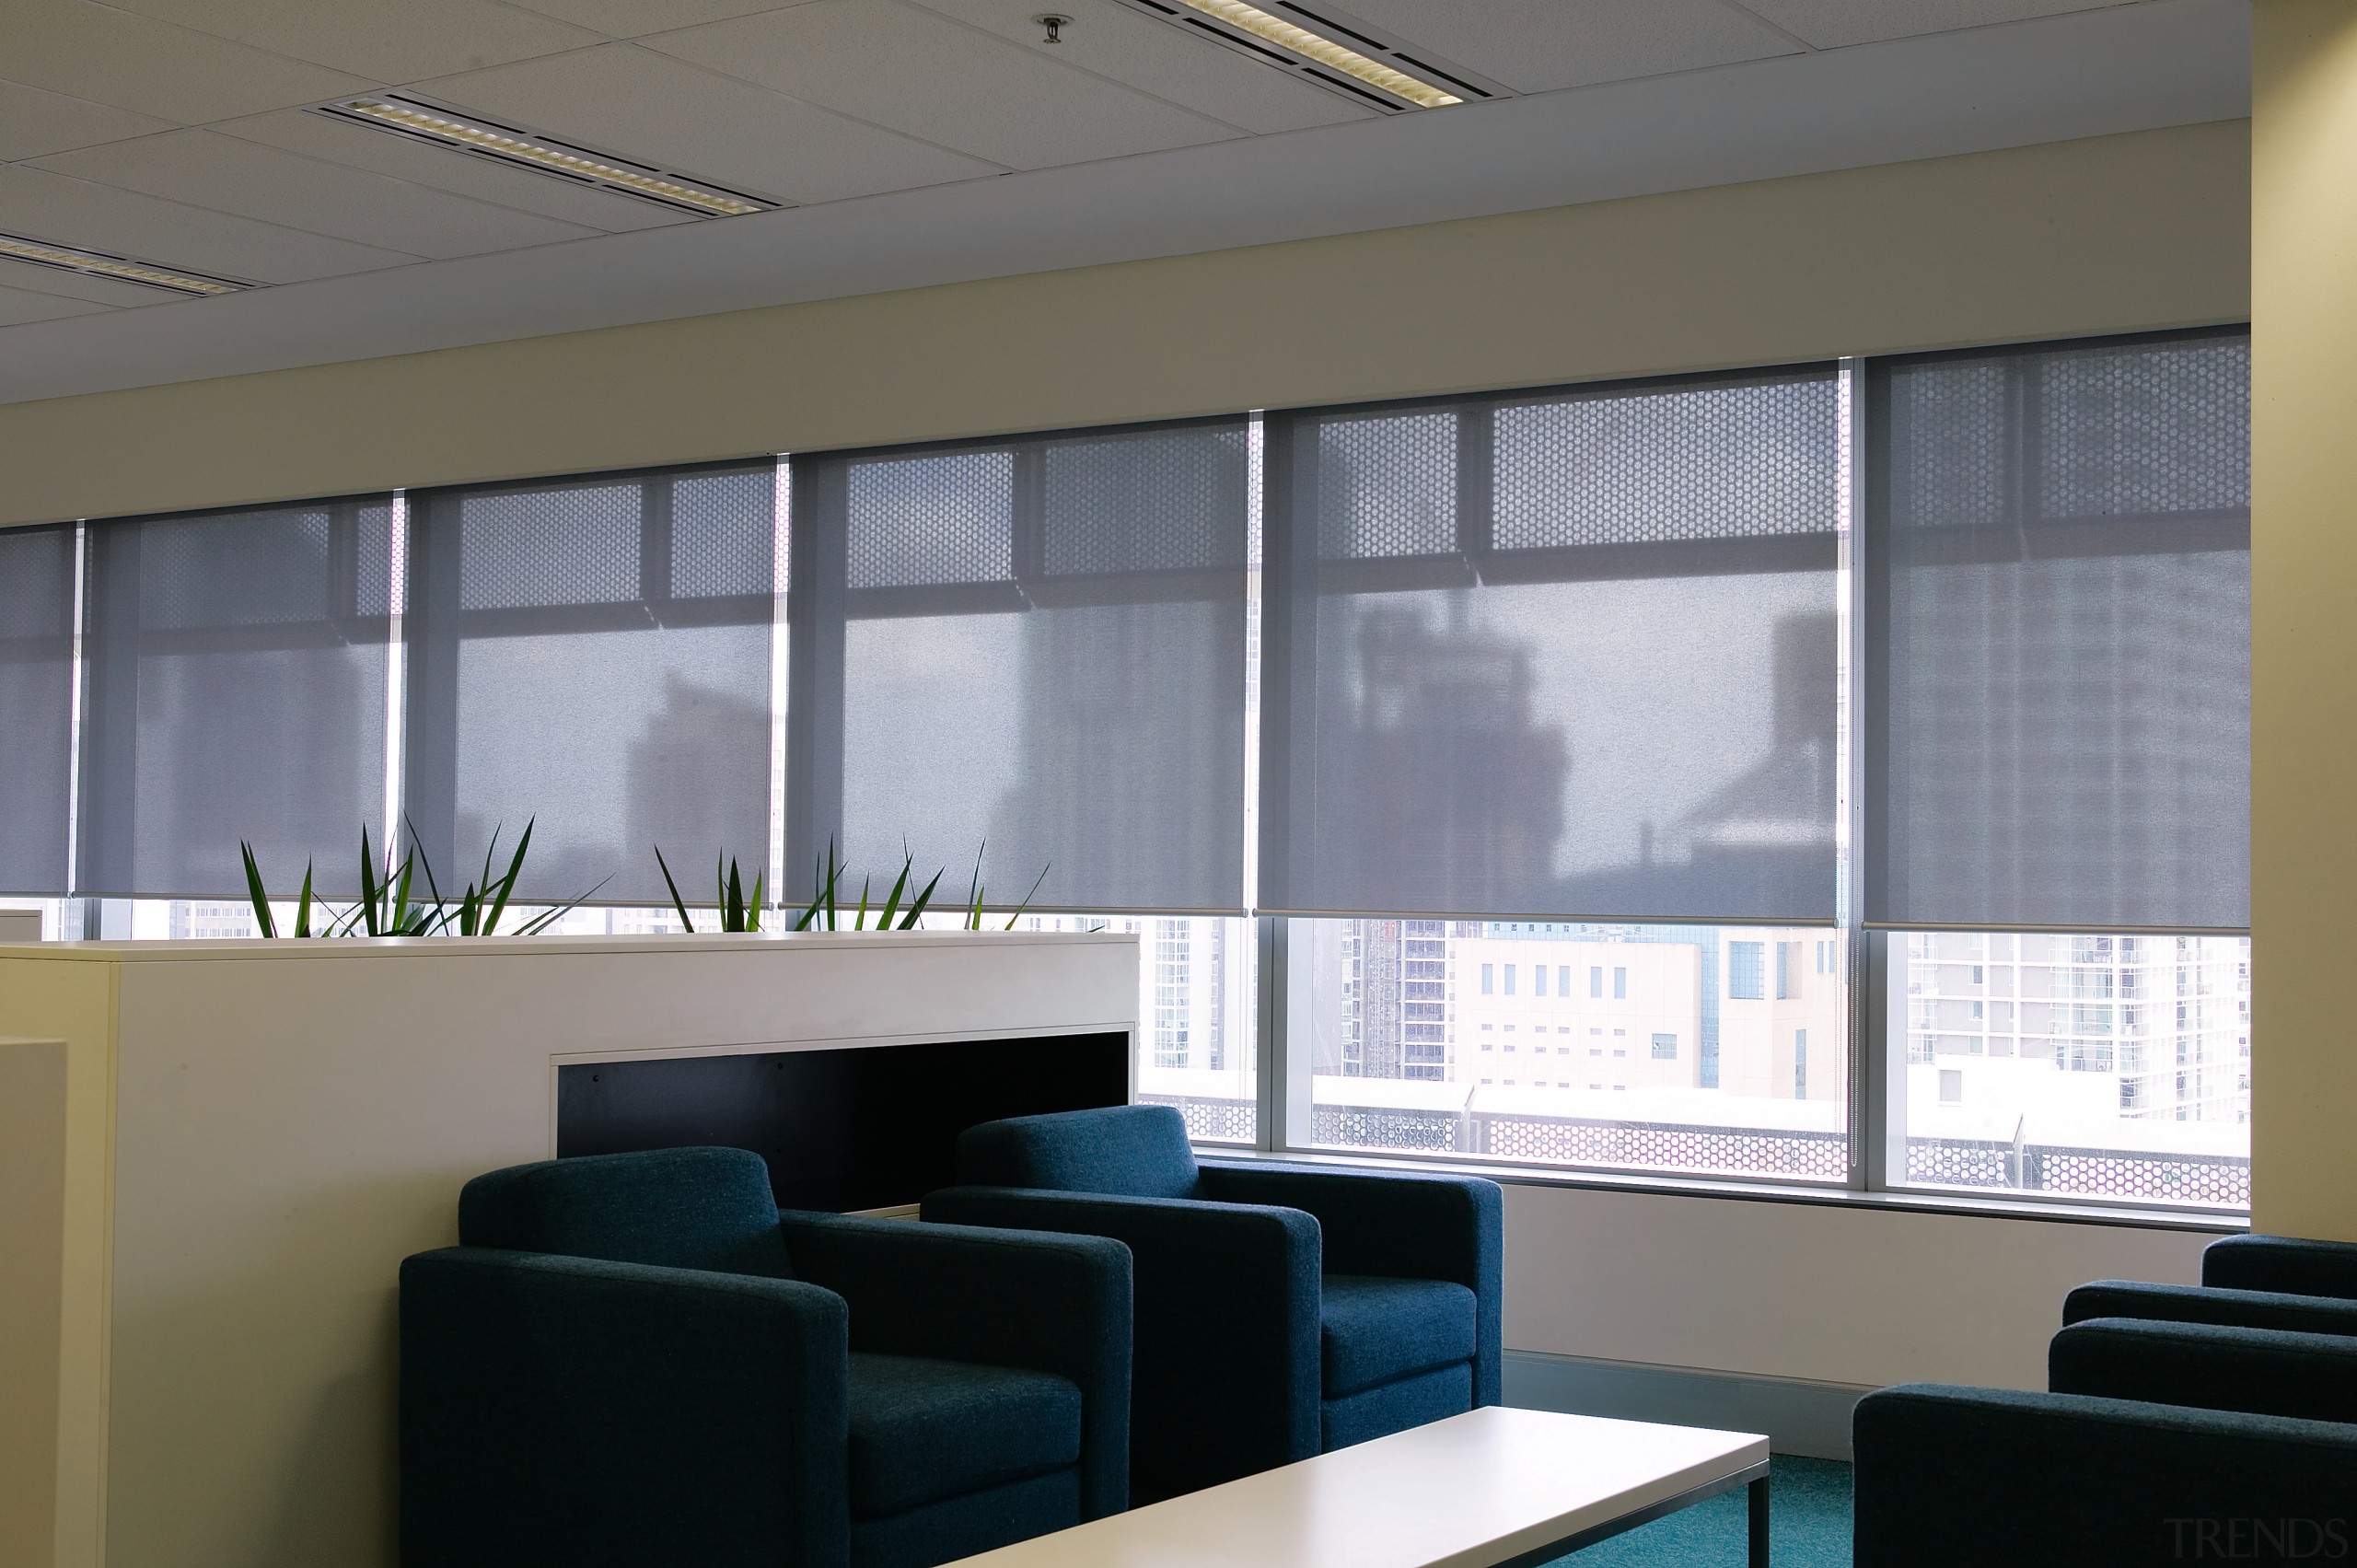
<point x="236" y="667"/>
<point x="2059" y="689"/>
<point x="1039" y="644"/>
<point x="36" y="706"/>
<point x="593" y="655"/>
<point x="1569" y="654"/>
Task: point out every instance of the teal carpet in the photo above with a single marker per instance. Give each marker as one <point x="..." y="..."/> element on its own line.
<point x="1808" y="1518"/>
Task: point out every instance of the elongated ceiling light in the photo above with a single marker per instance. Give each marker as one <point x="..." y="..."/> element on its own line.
<point x="1325" y="51"/>
<point x="449" y="130"/>
<point x="99" y="265"/>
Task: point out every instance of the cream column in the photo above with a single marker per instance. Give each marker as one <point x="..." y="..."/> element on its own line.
<point x="2304" y="626"/>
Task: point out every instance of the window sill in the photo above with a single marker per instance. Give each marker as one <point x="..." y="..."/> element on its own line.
<point x="1969" y="1205"/>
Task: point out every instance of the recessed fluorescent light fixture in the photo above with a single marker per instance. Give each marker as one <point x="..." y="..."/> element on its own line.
<point x="1346" y="59"/>
<point x="1325" y="51"/>
<point x="485" y="138"/>
<point x="122" y="269"/>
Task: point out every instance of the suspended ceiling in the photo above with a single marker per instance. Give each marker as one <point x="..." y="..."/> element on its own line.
<point x="911" y="142"/>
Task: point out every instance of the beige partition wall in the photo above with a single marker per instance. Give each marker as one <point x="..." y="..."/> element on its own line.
<point x="214" y="1155"/>
<point x="2303" y="640"/>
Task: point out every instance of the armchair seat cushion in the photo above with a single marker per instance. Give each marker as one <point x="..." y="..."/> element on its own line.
<point x="924" y="1430"/>
<point x="1375" y="1329"/>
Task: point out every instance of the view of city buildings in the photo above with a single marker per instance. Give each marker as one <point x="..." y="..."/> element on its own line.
<point x="2104" y="1065"/>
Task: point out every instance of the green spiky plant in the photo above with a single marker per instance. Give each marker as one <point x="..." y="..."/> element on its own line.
<point x="737" y="914"/>
<point x="385" y="908"/>
<point x="823" y="913"/>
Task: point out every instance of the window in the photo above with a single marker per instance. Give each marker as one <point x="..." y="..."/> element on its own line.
<point x="236" y="689"/>
<point x="1371" y="673"/>
<point x="1744" y="959"/>
<point x="37" y="707"/>
<point x="594" y="657"/>
<point x="2081" y="508"/>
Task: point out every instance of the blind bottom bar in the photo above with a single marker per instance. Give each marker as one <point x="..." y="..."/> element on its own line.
<point x="1824" y="921"/>
<point x="2082" y="930"/>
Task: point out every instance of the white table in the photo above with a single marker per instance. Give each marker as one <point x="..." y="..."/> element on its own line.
<point x="1493" y="1488"/>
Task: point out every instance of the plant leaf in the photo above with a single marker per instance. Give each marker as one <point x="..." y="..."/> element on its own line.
<point x="900" y="886"/>
<point x="368" y="882"/>
<point x="508" y="883"/>
<point x="761" y="881"/>
<point x="974" y="890"/>
<point x="547" y="918"/>
<point x="1027" y="898"/>
<point x="677" y="902"/>
<point x="916" y="909"/>
<point x="303" y="906"/>
<point x="254" y="891"/>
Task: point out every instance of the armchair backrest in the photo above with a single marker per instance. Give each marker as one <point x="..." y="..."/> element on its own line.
<point x="1131" y="1151"/>
<point x="672" y="1208"/>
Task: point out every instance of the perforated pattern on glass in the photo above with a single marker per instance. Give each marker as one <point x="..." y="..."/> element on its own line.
<point x="1387" y="487"/>
<point x="929" y="521"/>
<point x="1643" y="467"/>
<point x="2065" y="569"/>
<point x="1949" y="442"/>
<point x="1164" y="500"/>
<point x="722" y="537"/>
<point x="236" y="569"/>
<point x="2140" y="430"/>
<point x="233" y="695"/>
<point x="573" y="546"/>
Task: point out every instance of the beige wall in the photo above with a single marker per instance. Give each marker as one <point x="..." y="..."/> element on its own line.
<point x="2303" y="650"/>
<point x="2106" y="235"/>
<point x="1818" y="1292"/>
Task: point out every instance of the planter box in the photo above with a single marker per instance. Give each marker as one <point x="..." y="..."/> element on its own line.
<point x="214" y="1155"/>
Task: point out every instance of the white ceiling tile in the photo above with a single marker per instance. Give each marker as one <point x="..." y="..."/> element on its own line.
<point x="444" y="169"/>
<point x="1829" y="24"/>
<point x="229" y="175"/>
<point x="16" y="306"/>
<point x="34" y="122"/>
<point x="1195" y="73"/>
<point x="636" y="19"/>
<point x="389" y="42"/>
<point x="136" y="63"/>
<point x="1540" y="45"/>
<point x="893" y="64"/>
<point x="45" y="205"/>
<point x="629" y="101"/>
<point x="26" y="277"/>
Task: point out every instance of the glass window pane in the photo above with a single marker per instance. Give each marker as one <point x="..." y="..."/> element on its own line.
<point x="592" y="657"/>
<point x="1409" y="1053"/>
<point x="2077" y="1065"/>
<point x="1033" y="651"/>
<point x="36" y="705"/>
<point x="236" y="671"/>
<point x="1571" y="653"/>
<point x="2059" y="544"/>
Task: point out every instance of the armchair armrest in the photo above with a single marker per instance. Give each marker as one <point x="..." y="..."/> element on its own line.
<point x="1962" y="1478"/>
<point x="1226" y="1349"/>
<point x="2281" y="1263"/>
<point x="1414" y="1226"/>
<point x="2200" y="1304"/>
<point x="570" y="1411"/>
<point x="1058" y="1304"/>
<point x="2213" y="1366"/>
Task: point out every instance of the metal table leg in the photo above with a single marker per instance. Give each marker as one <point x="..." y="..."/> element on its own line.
<point x="1758" y="1490"/>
